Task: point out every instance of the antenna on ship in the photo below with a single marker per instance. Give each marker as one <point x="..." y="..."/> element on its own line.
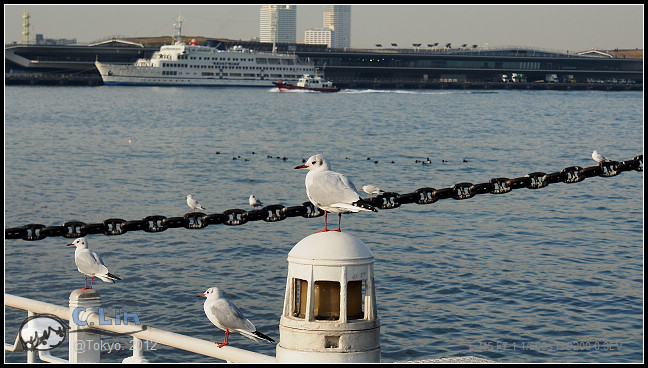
<point x="177" y="30"/>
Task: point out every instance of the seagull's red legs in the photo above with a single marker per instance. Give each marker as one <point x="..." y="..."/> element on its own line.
<point x="85" y="282"/>
<point x="221" y="344"/>
<point x="325" y="228"/>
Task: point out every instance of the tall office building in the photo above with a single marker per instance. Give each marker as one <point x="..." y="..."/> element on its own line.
<point x="278" y="24"/>
<point x="338" y="19"/>
<point x="318" y="36"/>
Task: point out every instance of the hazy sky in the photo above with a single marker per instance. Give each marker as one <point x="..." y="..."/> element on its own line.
<point x="561" y="27"/>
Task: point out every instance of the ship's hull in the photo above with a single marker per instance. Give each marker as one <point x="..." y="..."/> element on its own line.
<point x="285" y="86"/>
<point x="131" y="75"/>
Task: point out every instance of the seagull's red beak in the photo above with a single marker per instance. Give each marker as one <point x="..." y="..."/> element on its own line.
<point x="200" y="295"/>
<point x="301" y="167"/>
<point x="69" y="244"/>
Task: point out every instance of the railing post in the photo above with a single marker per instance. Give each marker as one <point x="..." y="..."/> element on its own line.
<point x="31" y="354"/>
<point x="85" y="347"/>
<point x="138" y="352"/>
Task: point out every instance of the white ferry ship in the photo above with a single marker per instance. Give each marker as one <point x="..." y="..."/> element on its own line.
<point x="195" y="65"/>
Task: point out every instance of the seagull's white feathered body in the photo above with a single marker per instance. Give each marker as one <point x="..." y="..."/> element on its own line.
<point x="331" y="191"/>
<point x="372" y="189"/>
<point x="599" y="157"/>
<point x="191" y="202"/>
<point x="226" y="316"/>
<point x="90" y="263"/>
<point x="254" y="202"/>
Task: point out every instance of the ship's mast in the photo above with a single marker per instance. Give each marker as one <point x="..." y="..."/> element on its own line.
<point x="177" y="31"/>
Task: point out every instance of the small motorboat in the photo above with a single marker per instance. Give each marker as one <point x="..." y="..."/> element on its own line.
<point x="307" y="83"/>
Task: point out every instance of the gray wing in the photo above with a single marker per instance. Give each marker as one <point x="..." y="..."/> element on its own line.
<point x="90" y="263"/>
<point x="230" y="317"/>
<point x="329" y="188"/>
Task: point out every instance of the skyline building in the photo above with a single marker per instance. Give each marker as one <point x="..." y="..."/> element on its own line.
<point x="337" y="18"/>
<point x="318" y="36"/>
<point x="278" y="24"/>
<point x="336" y="30"/>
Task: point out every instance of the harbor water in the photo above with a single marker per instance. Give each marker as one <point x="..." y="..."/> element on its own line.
<point x="547" y="275"/>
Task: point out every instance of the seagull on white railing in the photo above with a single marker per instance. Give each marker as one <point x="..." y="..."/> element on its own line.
<point x="224" y="315"/>
<point x="89" y="263"/>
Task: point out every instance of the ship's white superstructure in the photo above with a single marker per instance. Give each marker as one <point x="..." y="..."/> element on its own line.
<point x="191" y="64"/>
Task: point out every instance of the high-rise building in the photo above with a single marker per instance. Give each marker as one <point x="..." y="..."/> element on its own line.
<point x="338" y="19"/>
<point x="25" y="27"/>
<point x="318" y="36"/>
<point x="278" y="24"/>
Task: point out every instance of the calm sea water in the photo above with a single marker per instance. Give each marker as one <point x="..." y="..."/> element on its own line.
<point x="548" y="275"/>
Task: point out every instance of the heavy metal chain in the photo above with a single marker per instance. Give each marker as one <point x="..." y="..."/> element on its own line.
<point x="273" y="213"/>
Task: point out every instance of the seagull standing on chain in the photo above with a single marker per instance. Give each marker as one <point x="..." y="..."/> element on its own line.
<point x="89" y="263"/>
<point x="599" y="158"/>
<point x="254" y="202"/>
<point x="331" y="191"/>
<point x="372" y="189"/>
<point x="193" y="204"/>
<point x="224" y="315"/>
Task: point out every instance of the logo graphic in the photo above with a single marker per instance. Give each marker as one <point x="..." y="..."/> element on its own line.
<point x="47" y="331"/>
<point x="42" y="332"/>
<point x="120" y="318"/>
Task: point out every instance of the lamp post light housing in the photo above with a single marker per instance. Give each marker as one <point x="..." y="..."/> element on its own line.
<point x="329" y="312"/>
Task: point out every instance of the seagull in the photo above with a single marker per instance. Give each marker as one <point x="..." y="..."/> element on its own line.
<point x="331" y="191"/>
<point x="599" y="158"/>
<point x="193" y="204"/>
<point x="90" y="264"/>
<point x="254" y="202"/>
<point x="224" y="315"/>
<point x="372" y="189"/>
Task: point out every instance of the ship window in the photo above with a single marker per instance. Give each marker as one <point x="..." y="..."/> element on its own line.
<point x="327" y="300"/>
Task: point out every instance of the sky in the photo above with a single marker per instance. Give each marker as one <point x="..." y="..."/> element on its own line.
<point x="558" y="27"/>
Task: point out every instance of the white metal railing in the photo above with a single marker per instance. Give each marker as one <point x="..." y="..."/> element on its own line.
<point x="171" y="339"/>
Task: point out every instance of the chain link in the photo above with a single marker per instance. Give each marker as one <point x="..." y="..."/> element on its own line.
<point x="276" y="212"/>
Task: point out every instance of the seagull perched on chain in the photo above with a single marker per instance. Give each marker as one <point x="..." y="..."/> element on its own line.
<point x="372" y="189"/>
<point x="89" y="263"/>
<point x="254" y="202"/>
<point x="193" y="203"/>
<point x="331" y="191"/>
<point x="224" y="315"/>
<point x="599" y="158"/>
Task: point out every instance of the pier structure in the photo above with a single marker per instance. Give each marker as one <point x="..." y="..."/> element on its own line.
<point x="384" y="68"/>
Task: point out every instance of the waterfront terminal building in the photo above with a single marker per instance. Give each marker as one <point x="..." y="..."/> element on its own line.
<point x="415" y="67"/>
